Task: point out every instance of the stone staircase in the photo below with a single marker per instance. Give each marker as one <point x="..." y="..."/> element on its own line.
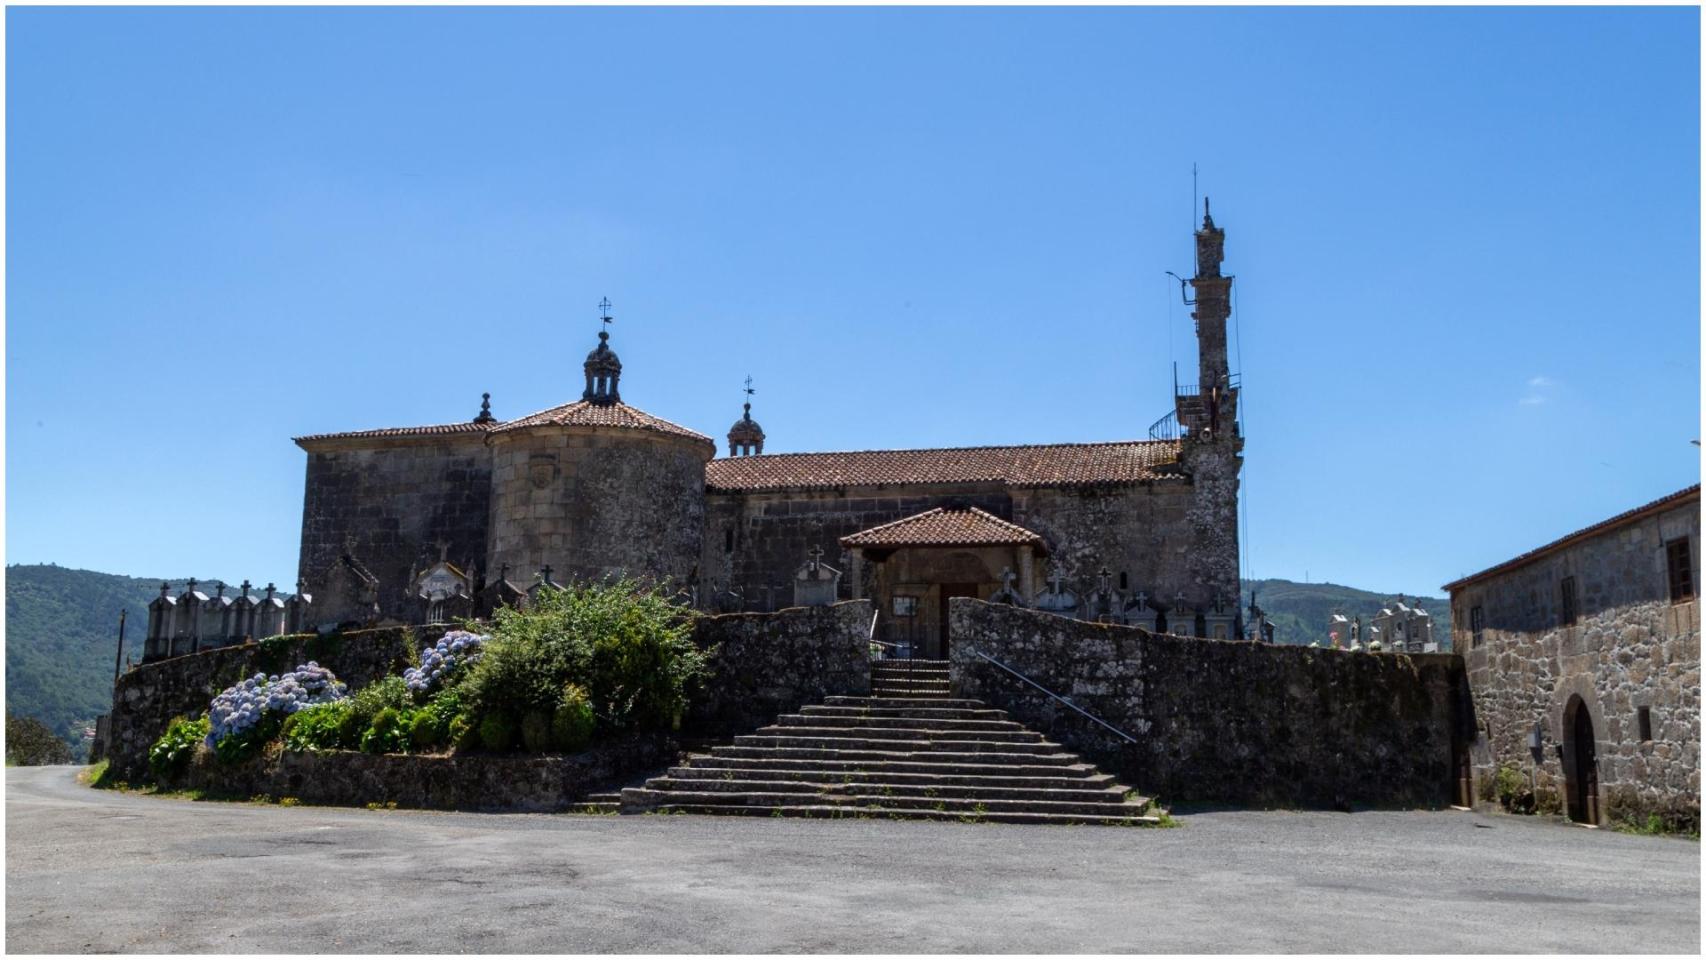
<point x="909" y="751"/>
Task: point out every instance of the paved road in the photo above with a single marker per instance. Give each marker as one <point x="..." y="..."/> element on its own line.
<point x="90" y="870"/>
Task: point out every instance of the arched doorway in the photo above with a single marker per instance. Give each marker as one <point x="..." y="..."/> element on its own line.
<point x="1581" y="767"/>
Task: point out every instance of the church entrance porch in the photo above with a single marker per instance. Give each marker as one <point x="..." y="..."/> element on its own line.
<point x="919" y="563"/>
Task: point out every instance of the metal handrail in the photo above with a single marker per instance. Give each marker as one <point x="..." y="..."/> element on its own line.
<point x="1086" y="714"/>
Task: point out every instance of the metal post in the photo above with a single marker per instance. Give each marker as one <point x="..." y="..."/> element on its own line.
<point x="118" y="659"/>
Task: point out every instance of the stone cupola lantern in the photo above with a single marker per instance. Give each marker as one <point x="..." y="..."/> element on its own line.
<point x="603" y="368"/>
<point x="746" y="437"/>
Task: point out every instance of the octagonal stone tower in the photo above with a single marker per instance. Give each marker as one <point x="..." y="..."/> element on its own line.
<point x="597" y="487"/>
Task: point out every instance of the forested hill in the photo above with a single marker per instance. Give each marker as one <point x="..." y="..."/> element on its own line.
<point x="1299" y="611"/>
<point x="61" y="636"/>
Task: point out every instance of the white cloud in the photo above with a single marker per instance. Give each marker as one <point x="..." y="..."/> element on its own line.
<point x="1539" y="390"/>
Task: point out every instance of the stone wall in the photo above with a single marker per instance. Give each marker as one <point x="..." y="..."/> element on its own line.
<point x="389" y="502"/>
<point x="1225" y="721"/>
<point x="1140" y="532"/>
<point x="765" y="665"/>
<point x="757" y="540"/>
<point x="147" y="698"/>
<point x="539" y="784"/>
<point x="1629" y="648"/>
<point x="593" y="502"/>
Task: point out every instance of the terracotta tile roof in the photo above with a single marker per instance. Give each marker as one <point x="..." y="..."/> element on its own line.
<point x="583" y="413"/>
<point x="1627" y="516"/>
<point x="945" y="527"/>
<point x="427" y="431"/>
<point x="1060" y="464"/>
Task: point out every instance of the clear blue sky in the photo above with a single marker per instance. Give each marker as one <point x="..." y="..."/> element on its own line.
<point x="1466" y="241"/>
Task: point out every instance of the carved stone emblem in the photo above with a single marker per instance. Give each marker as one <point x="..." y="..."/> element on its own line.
<point x="541" y="470"/>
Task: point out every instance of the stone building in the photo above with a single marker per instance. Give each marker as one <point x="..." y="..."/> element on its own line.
<point x="1403" y="628"/>
<point x="596" y="487"/>
<point x="1584" y="659"/>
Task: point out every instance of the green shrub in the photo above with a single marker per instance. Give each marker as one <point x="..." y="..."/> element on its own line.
<point x="497" y="732"/>
<point x="1510" y="786"/>
<point x="170" y="755"/>
<point x="31" y="743"/>
<point x="462" y="732"/>
<point x="536" y="731"/>
<point x="320" y="727"/>
<point x="390" y="692"/>
<point x="389" y="732"/>
<point x="238" y="747"/>
<point x="425" y="733"/>
<point x="624" y="644"/>
<point x="572" y="722"/>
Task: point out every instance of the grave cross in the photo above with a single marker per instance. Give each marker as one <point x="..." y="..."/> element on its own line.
<point x="1054" y="580"/>
<point x="1141" y="600"/>
<point x="1102" y="576"/>
<point x="545" y="575"/>
<point x="816" y="553"/>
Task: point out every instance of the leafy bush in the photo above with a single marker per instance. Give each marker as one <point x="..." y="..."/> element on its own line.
<point x="320" y="727"/>
<point x="625" y="645"/>
<point x="170" y="755"/>
<point x="536" y="731"/>
<point x="29" y="743"/>
<point x="497" y="732"/>
<point x="463" y="733"/>
<point x="390" y="692"/>
<point x="389" y="732"/>
<point x="572" y="723"/>
<point x="1511" y="788"/>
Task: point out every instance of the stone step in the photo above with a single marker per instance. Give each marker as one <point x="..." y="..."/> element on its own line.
<point x="699" y="781"/>
<point x="913" y="770"/>
<point x="1000" y="777"/>
<point x="901" y="663"/>
<point x="921" y="712"/>
<point x="966" y="744"/>
<point x="911" y="693"/>
<point x="864" y="721"/>
<point x="912" y="730"/>
<point x="643" y="797"/>
<point x="903" y="673"/>
<point x="865" y="754"/>
<point x="835" y="812"/>
<point x="902" y="702"/>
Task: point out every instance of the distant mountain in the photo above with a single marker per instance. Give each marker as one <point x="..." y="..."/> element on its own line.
<point x="61" y="636"/>
<point x="1300" y="611"/>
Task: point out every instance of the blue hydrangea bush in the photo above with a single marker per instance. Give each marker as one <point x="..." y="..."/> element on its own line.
<point x="260" y="698"/>
<point x="454" y="650"/>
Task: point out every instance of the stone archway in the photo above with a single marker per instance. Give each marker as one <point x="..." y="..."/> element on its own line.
<point x="1580" y="762"/>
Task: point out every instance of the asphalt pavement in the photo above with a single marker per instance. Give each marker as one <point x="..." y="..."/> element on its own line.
<point x="90" y="870"/>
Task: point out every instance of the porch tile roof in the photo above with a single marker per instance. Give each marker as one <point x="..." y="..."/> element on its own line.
<point x="946" y="527"/>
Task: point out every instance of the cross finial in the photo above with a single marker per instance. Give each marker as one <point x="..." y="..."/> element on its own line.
<point x="1055" y="578"/>
<point x="749" y="390"/>
<point x="604" y="313"/>
<point x="816" y="553"/>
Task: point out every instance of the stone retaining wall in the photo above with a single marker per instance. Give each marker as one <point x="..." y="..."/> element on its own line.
<point x="767" y="664"/>
<point x="1226" y="721"/>
<point x="539" y="784"/>
<point x="147" y="698"/>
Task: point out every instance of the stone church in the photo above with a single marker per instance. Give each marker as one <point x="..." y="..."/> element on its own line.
<point x="432" y="522"/>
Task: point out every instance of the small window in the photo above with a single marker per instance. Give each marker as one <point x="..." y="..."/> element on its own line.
<point x="1475" y="620"/>
<point x="729" y="540"/>
<point x="1681" y="570"/>
<point x="1644" y="720"/>
<point x="1567" y="601"/>
<point x="1123" y="580"/>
